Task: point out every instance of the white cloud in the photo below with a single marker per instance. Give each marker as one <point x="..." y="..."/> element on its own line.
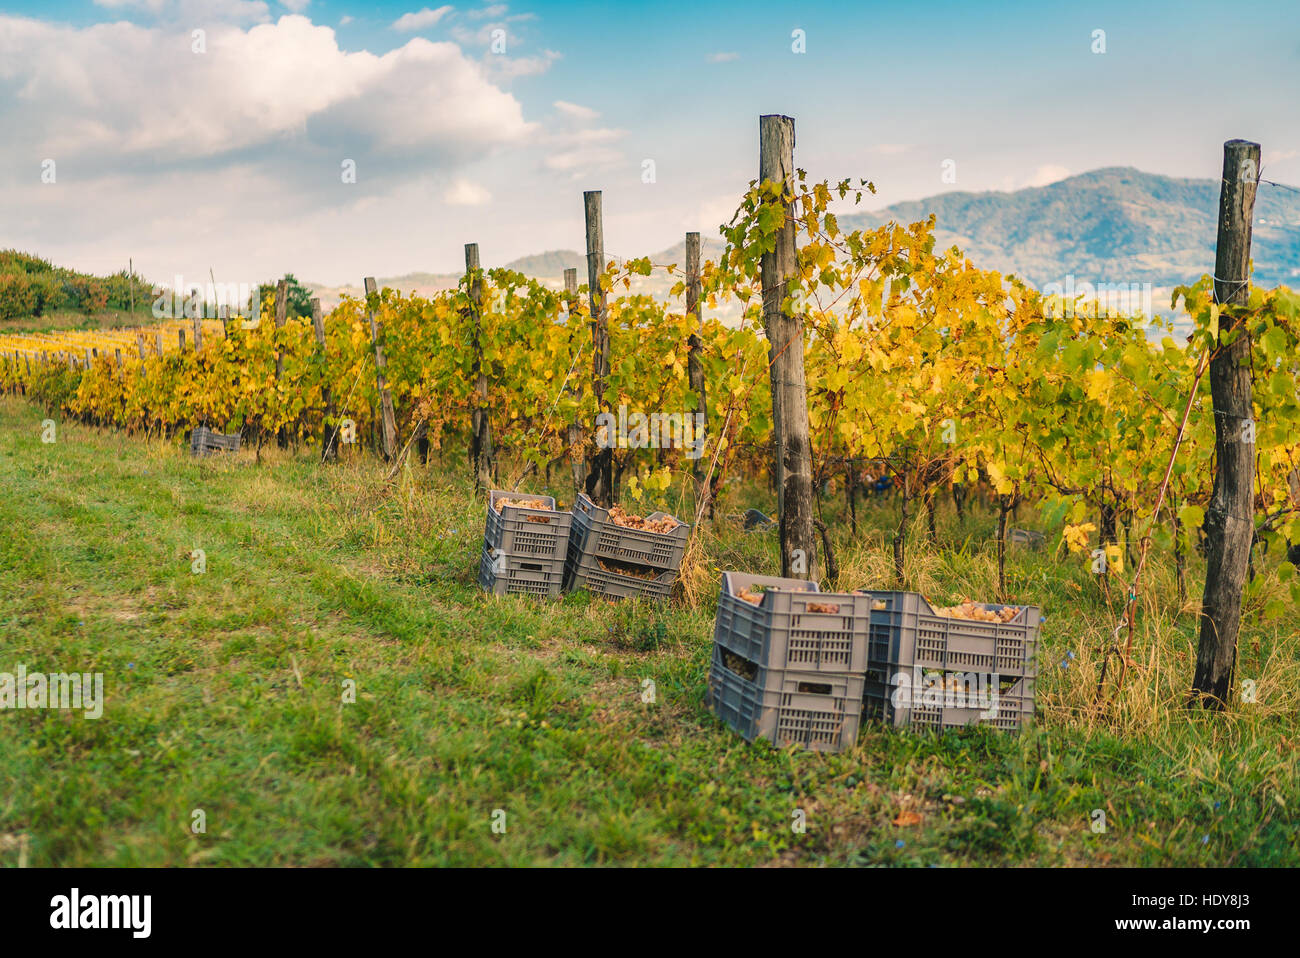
<point x="575" y="111"/>
<point x="464" y="193"/>
<point x="582" y="151"/>
<point x="494" y="11"/>
<point x="505" y="67"/>
<point x="1045" y="174"/>
<point x="723" y="57"/>
<point x="151" y="5"/>
<point x="95" y="92"/>
<point x="205" y="12"/>
<point x="408" y="22"/>
<point x="345" y="20"/>
<point x="235" y="161"/>
<point x="295" y="6"/>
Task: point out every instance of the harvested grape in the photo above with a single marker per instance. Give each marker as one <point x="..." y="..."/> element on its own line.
<point x="621" y="517"/>
<point x="540" y="504"/>
<point x="979" y="613"/>
<point x="825" y="608"/>
<point x="742" y="667"/>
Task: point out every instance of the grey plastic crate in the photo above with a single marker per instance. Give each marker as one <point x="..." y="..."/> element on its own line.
<point x="818" y="710"/>
<point x="782" y="633"/>
<point x="907" y="632"/>
<point x="527" y="532"/>
<point x="503" y="574"/>
<point x="204" y="441"/>
<point x="584" y="572"/>
<point x="910" y="703"/>
<point x="598" y="536"/>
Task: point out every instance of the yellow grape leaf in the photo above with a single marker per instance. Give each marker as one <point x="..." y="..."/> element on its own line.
<point x="1076" y="537"/>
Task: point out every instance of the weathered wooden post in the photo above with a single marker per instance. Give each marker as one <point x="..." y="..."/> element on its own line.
<point x="198" y="333"/>
<point x="139" y="345"/>
<point x="158" y="343"/>
<point x="599" y="468"/>
<point x="784" y="328"/>
<point x="1229" y="518"/>
<point x="574" y="436"/>
<point x="328" y="450"/>
<point x="695" y="367"/>
<point x="281" y="315"/>
<point x="180" y="339"/>
<point x="481" y="441"/>
<point x="388" y="419"/>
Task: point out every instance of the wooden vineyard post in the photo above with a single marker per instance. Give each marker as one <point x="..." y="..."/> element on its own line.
<point x="139" y="345"/>
<point x="574" y="437"/>
<point x="481" y="441"/>
<point x="784" y="328"/>
<point x="117" y="355"/>
<point x="600" y="461"/>
<point x="281" y="315"/>
<point x="198" y="334"/>
<point x="387" y="418"/>
<point x="180" y="339"/>
<point x="328" y="450"/>
<point x="158" y="343"/>
<point x="1229" y="518"/>
<point x="695" y="367"/>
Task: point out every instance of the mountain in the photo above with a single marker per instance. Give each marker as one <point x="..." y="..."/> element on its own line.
<point x="1114" y="225"/>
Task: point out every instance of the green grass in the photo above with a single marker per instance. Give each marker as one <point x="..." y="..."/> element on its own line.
<point x="224" y="694"/>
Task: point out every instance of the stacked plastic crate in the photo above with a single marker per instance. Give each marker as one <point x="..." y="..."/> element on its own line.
<point x="935" y="670"/>
<point x="523" y="547"/>
<point x="789" y="661"/>
<point x="203" y="442"/>
<point x="619" y="561"/>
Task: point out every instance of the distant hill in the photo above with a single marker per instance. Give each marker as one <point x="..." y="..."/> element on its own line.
<point x="551" y="264"/>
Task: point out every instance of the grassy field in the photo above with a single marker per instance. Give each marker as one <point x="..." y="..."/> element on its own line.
<point x="78" y="319"/>
<point x="224" y="694"/>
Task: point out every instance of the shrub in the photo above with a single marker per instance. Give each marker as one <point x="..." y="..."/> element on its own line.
<point x="17" y="297"/>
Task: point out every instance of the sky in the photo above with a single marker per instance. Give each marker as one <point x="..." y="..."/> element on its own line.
<point x="124" y="133"/>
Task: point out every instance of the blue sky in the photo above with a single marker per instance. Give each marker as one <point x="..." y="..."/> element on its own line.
<point x="230" y="158"/>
